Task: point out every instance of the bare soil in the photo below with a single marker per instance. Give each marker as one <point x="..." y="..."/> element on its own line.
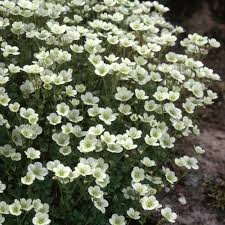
<point x="206" y="17"/>
<point x="195" y="187"/>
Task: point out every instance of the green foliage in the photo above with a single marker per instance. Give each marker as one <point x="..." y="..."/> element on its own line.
<point x="216" y="193"/>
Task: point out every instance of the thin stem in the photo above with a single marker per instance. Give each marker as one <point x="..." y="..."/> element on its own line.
<point x="105" y="87"/>
<point x="17" y="220"/>
<point x="23" y="218"/>
<point x="61" y="194"/>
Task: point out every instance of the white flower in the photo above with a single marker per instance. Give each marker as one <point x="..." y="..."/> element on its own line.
<point x="169" y="215"/>
<point x="140" y="94"/>
<point x="68" y="128"/>
<point x="33" y="69"/>
<point x="155" y="76"/>
<point x="62" y="109"/>
<point x="114" y="148"/>
<point x="117" y="220"/>
<point x="77" y="131"/>
<point x="151" y="140"/>
<point x="4" y="208"/>
<point x="57" y="29"/>
<point x="94" y="111"/>
<point x="10" y="50"/>
<point x="173" y="96"/>
<point x="111" y="57"/>
<point x="188" y="162"/>
<point x="88" y="144"/>
<point x="42" y="208"/>
<point x="26" y="132"/>
<point x="171" y="57"/>
<point x="171" y="177"/>
<point x="30" y="131"/>
<point x="75" y="102"/>
<point x="141" y="189"/>
<point x="31" y="153"/>
<point x="107" y="115"/>
<point x="108" y="138"/>
<point x="2" y="219"/>
<point x="97" y="130"/>
<point x="41" y="219"/>
<point x="65" y="150"/>
<point x="137" y="25"/>
<point x="110" y="2"/>
<point x="125" y="109"/>
<point x="62" y="171"/>
<point x="156" y="133"/>
<point x="26" y="113"/>
<point x="100" y="175"/>
<point x="15" y="208"/>
<point x="37" y="204"/>
<point x="148" y="162"/>
<point x="129" y="193"/>
<point x="149" y="203"/>
<point x="4" y="99"/>
<point x="160" y="95"/>
<point x="122" y="67"/>
<point x="101" y="204"/>
<point x="150" y="106"/>
<point x="14" y="107"/>
<point x="89" y="99"/>
<point x="199" y="150"/>
<point x="173" y="111"/>
<point x="134" y="133"/>
<point x="127" y="143"/>
<point x="95" y="192"/>
<point x="2" y="187"/>
<point x="177" y="75"/>
<point x="214" y="43"/>
<point x="28" y="179"/>
<point x="95" y="59"/>
<point x="102" y="69"/>
<point x="182" y="200"/>
<point x="83" y="169"/>
<point x="61" y="139"/>
<point x="166" y="141"/>
<point x="143" y="50"/>
<point x="189" y="107"/>
<point x="113" y="40"/>
<point x="70" y="92"/>
<point x="80" y="88"/>
<point x="37" y="170"/>
<point x="135" y="215"/>
<point x="137" y="174"/>
<point x="26" y="204"/>
<point x="13" y="68"/>
<point x="74" y="116"/>
<point x="123" y="94"/>
<point x="27" y="87"/>
<point x="197" y="90"/>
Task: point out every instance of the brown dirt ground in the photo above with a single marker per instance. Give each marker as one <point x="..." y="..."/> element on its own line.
<point x="195" y="186"/>
<point x="198" y="210"/>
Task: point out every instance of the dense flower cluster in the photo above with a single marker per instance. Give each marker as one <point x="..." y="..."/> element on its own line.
<point x="93" y="98"/>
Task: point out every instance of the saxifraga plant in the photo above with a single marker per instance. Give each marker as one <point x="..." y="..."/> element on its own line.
<point x="92" y="100"/>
